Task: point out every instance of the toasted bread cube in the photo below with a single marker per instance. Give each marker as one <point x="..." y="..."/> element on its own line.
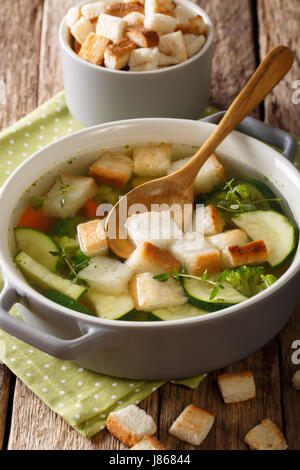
<point x="237" y="387"/>
<point x="166" y="7"/>
<point x="112" y="169"/>
<point x="148" y="443"/>
<point x="93" y="10"/>
<point x="173" y="45"/>
<point x="149" y="258"/>
<point x="93" y="48"/>
<point x="68" y="195"/>
<point x="296" y="380"/>
<point x="152" y="160"/>
<point x="77" y="46"/>
<point x="266" y="436"/>
<point x="196" y="26"/>
<point x="193" y="43"/>
<point x="208" y="220"/>
<point x="251" y="253"/>
<point x="122" y="9"/>
<point x="144" y="59"/>
<point x="142" y="2"/>
<point x="228" y="238"/>
<point x="73" y="15"/>
<point x="130" y="425"/>
<point x="157" y="228"/>
<point x="142" y="36"/>
<point x="182" y="15"/>
<point x="192" y="425"/>
<point x="165" y="60"/>
<point x="134" y="19"/>
<point x="110" y="27"/>
<point x="162" y="24"/>
<point x="107" y="276"/>
<point x="117" y="55"/>
<point x="149" y="294"/>
<point x="92" y="238"/>
<point x="81" y="29"/>
<point x="193" y="252"/>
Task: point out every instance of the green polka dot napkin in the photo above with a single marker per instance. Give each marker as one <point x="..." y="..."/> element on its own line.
<point x="83" y="398"/>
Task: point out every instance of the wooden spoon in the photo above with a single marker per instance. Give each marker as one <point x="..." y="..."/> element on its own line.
<point x="178" y="188"/>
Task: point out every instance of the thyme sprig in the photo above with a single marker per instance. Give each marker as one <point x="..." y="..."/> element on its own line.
<point x="72" y="264"/>
<point x="64" y="188"/>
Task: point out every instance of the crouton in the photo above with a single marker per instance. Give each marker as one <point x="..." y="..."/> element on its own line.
<point x="296" y="380"/>
<point x="237" y="387"/>
<point x="193" y="252"/>
<point x="152" y="160"/>
<point x="73" y="191"/>
<point x="173" y="45"/>
<point x="157" y="228"/>
<point x="208" y="220"/>
<point x="148" y="443"/>
<point x="212" y="174"/>
<point x="134" y="19"/>
<point x="73" y="15"/>
<point x="166" y="7"/>
<point x="165" y="60"/>
<point x="107" y="275"/>
<point x="108" y="306"/>
<point x="93" y="10"/>
<point x="149" y="294"/>
<point x="77" y="46"/>
<point x="130" y="425"/>
<point x="110" y="27"/>
<point x="193" y="43"/>
<point x="144" y="59"/>
<point x="251" y="253"/>
<point x="192" y="425"/>
<point x="122" y="9"/>
<point x="266" y="436"/>
<point x="112" y="169"/>
<point x="81" y="29"/>
<point x="142" y="36"/>
<point x="196" y="25"/>
<point x="93" y="48"/>
<point x="92" y="238"/>
<point x="228" y="238"/>
<point x="117" y="55"/>
<point x="162" y="24"/>
<point x="182" y="14"/>
<point x="142" y="2"/>
<point x="149" y="258"/>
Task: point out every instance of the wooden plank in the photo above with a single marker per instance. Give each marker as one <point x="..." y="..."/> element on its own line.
<point x="279" y="24"/>
<point x="234" y="58"/>
<point x="21" y="21"/>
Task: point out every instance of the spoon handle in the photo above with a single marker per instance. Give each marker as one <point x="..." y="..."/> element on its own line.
<point x="273" y="68"/>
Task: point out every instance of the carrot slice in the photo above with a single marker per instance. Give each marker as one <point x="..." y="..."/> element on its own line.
<point x="90" y="208"/>
<point x="35" y="219"/>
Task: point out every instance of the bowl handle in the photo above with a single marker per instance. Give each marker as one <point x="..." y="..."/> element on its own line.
<point x="264" y="132"/>
<point x="93" y="337"/>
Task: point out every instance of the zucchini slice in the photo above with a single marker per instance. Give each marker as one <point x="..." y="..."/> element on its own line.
<point x="199" y="294"/>
<point x="278" y="233"/>
<point x="45" y="279"/>
<point x="111" y="307"/>
<point x="176" y="313"/>
<point x="66" y="301"/>
<point x="261" y="191"/>
<point x="38" y="245"/>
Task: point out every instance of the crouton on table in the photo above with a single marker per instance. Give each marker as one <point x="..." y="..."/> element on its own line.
<point x="81" y="29"/>
<point x="266" y="436"/>
<point x="107" y="275"/>
<point x="237" y="387"/>
<point x="68" y="195"/>
<point x="192" y="425"/>
<point x="157" y="228"/>
<point x="148" y="443"/>
<point x="112" y="169"/>
<point x="252" y="253"/>
<point x="143" y="37"/>
<point x="93" y="48"/>
<point x="149" y="258"/>
<point x="93" y="10"/>
<point x="92" y="238"/>
<point x="111" y="27"/>
<point x="173" y="45"/>
<point x="162" y="24"/>
<point x="144" y="59"/>
<point x="117" y="55"/>
<point x="152" y="160"/>
<point x="130" y="425"/>
<point x="150" y="294"/>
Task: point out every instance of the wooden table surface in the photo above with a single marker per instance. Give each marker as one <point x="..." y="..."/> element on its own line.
<point x="30" y="68"/>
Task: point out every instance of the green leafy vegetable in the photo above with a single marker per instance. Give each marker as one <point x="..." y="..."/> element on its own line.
<point x="107" y="194"/>
<point x="67" y="227"/>
<point x="250" y="280"/>
<point x="71" y="259"/>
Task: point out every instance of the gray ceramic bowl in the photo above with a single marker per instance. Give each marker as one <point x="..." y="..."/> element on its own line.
<point x="96" y="95"/>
